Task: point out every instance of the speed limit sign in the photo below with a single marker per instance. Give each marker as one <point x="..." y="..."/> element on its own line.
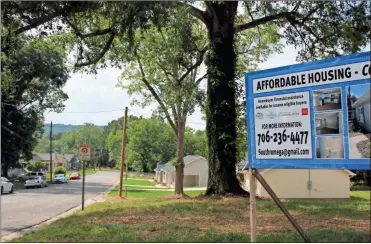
<point x="84" y="152"/>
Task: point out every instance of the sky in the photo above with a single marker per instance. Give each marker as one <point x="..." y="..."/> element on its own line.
<point x="359" y="90"/>
<point x="96" y="99"/>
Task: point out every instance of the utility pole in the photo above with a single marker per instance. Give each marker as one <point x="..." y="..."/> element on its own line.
<point x="123" y="150"/>
<point x="51" y="151"/>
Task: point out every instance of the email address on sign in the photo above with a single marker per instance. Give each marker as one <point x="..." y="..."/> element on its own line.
<point x="283" y="152"/>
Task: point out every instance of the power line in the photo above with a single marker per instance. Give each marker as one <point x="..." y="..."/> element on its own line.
<point x="92" y="112"/>
<point x="189" y="122"/>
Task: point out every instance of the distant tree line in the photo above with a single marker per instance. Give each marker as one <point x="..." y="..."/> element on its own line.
<point x="150" y="141"/>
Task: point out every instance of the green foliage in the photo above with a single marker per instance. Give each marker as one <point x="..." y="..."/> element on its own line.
<point x="43" y="146"/>
<point x="60" y="170"/>
<point x="144" y="148"/>
<point x="38" y="166"/>
<point x="114" y="144"/>
<point x="32" y="77"/>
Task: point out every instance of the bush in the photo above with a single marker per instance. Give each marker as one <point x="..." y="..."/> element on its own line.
<point x="40" y="166"/>
<point x="60" y="170"/>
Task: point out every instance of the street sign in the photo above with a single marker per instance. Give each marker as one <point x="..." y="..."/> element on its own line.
<point x="310" y="115"/>
<point x="84" y="152"/>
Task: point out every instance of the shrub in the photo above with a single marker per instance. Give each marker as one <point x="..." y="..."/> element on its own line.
<point x="40" y="166"/>
<point x="60" y="170"/>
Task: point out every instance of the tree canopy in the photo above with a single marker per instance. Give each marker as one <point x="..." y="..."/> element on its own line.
<point x="33" y="74"/>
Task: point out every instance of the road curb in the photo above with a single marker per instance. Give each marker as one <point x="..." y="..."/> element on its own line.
<point x="22" y="232"/>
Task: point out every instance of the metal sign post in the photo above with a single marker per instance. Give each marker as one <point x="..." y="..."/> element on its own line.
<point x="84" y="155"/>
<point x="83" y="186"/>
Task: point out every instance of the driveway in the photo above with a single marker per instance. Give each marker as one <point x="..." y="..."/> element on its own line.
<point x="29" y="207"/>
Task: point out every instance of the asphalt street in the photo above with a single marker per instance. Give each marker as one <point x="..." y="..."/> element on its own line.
<point x="28" y="207"/>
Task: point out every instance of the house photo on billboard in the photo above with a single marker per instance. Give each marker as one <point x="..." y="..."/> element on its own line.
<point x="327" y="99"/>
<point x="330" y="147"/>
<point x="329" y="123"/>
<point x="359" y="120"/>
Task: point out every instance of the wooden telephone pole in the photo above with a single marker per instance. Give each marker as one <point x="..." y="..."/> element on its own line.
<point x="123" y="150"/>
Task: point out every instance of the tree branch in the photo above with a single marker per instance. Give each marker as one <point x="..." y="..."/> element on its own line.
<point x="198" y="81"/>
<point x="94" y="33"/>
<point x="154" y="94"/>
<point x="198" y="63"/>
<point x="261" y="21"/>
<point x="195" y="12"/>
<point x="101" y="54"/>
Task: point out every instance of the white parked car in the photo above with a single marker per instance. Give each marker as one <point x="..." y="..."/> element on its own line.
<point x="36" y="181"/>
<point x="6" y="186"/>
<point x="59" y="178"/>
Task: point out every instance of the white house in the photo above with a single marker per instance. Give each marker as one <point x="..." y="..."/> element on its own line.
<point x="303" y="183"/>
<point x="196" y="171"/>
<point x="362" y="111"/>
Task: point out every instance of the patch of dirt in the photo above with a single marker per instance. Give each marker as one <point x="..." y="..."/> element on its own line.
<point x="364" y="148"/>
<point x="354" y="134"/>
<point x="266" y="223"/>
<point x="177" y="196"/>
<point x="219" y="197"/>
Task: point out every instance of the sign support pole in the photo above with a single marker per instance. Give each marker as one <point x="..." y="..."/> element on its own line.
<point x="83" y="186"/>
<point x="252" y="189"/>
<point x="51" y="152"/>
<point x="123" y="151"/>
<point x="281" y="205"/>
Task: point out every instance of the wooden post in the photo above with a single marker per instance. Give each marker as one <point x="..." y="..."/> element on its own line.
<point x="123" y="147"/>
<point x="281" y="205"/>
<point x="252" y="183"/>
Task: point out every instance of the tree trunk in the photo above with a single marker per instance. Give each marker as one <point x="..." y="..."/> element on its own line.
<point x="179" y="168"/>
<point x="221" y="101"/>
<point x="4" y="170"/>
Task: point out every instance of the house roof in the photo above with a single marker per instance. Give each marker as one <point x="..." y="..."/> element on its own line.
<point x="69" y="157"/>
<point x="365" y="98"/>
<point x="43" y="156"/>
<point x="169" y="167"/>
<point x="60" y="159"/>
<point x="243" y="165"/>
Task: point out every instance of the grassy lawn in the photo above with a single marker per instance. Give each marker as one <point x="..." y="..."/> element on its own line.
<point x="163" y="219"/>
<point x="143" y="193"/>
<point x="360" y="195"/>
<point x="138" y="182"/>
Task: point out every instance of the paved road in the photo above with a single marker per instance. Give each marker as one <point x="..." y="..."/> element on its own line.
<point x="29" y="207"/>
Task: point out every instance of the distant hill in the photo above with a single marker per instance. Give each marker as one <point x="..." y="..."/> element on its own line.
<point x="61" y="128"/>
